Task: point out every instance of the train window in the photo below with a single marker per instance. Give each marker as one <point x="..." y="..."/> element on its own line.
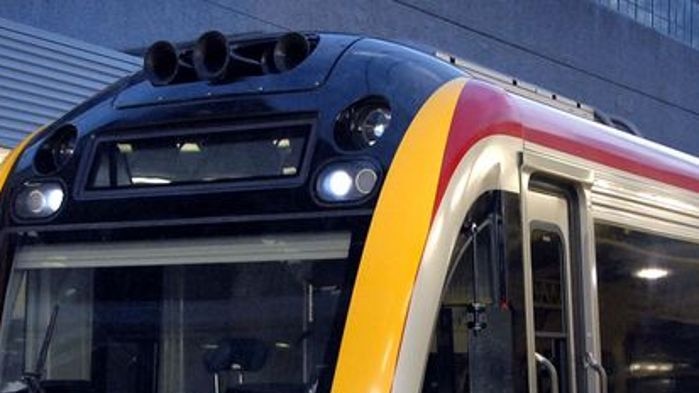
<point x="234" y="314"/>
<point x="29" y="315"/>
<point x="552" y="339"/>
<point x="473" y="342"/>
<point x="203" y="157"/>
<point x="462" y="313"/>
<point x="649" y="310"/>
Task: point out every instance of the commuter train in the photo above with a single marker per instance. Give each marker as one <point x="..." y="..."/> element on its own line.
<point x="309" y="213"/>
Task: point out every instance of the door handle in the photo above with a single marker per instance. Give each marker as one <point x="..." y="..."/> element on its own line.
<point x="553" y="374"/>
<point x="597" y="367"/>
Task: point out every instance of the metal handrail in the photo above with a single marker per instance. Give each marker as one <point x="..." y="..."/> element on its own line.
<point x="597" y="367"/>
<point x="545" y="363"/>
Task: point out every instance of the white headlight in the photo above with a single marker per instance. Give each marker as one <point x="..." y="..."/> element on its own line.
<point x="54" y="199"/>
<point x="39" y="200"/>
<point x="337" y="183"/>
<point x="346" y="181"/>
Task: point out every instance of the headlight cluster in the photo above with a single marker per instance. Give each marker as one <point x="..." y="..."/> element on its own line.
<point x="346" y="181"/>
<point x="39" y="200"/>
<point x="359" y="126"/>
<point x="42" y="199"/>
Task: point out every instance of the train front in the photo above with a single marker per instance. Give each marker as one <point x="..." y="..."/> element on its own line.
<point x="199" y="226"/>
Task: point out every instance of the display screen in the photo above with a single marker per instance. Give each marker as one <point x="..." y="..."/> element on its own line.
<point x="198" y="157"/>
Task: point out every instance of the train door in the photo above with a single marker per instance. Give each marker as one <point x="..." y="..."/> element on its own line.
<point x="552" y="287"/>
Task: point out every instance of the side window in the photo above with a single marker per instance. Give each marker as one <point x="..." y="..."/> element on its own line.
<point x="649" y="310"/>
<point x="474" y="339"/>
<point x="462" y="313"/>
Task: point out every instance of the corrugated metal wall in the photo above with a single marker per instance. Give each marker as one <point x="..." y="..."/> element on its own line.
<point x="43" y="75"/>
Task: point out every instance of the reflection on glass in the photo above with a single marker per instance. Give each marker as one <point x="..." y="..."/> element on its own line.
<point x="462" y="353"/>
<point x="256" y="325"/>
<point x="649" y="311"/>
<point x="202" y="157"/>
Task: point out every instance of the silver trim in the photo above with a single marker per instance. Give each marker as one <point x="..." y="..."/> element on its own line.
<point x="589" y="279"/>
<point x="315" y="246"/>
<point x="620" y="197"/>
<point x="551" y="209"/>
<point x="528" y="289"/>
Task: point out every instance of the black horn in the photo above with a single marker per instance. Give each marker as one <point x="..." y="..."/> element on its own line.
<point x="215" y="61"/>
<point x="163" y="66"/>
<point x="290" y="51"/>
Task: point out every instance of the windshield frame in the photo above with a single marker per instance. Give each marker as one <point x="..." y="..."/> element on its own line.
<point x="356" y="227"/>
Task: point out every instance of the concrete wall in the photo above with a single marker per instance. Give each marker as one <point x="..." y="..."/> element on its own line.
<point x="575" y="47"/>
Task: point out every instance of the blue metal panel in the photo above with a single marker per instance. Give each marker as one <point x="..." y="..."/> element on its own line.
<point x="43" y="75"/>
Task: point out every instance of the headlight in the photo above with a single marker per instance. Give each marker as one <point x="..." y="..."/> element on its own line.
<point x="346" y="181"/>
<point x="370" y="124"/>
<point x="39" y="200"/>
<point x="362" y="124"/>
<point x="55" y="152"/>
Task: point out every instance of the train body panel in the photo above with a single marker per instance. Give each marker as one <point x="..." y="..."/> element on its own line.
<point x="465" y="169"/>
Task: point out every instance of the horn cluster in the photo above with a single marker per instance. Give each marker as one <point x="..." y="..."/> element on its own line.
<point x="214" y="58"/>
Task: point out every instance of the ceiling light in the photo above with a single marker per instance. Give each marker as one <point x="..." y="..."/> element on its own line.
<point x="651" y="273"/>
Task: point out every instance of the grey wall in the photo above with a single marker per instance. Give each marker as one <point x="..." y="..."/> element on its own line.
<point x="574" y="47"/>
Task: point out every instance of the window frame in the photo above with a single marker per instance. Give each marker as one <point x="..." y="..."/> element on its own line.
<point x="611" y="196"/>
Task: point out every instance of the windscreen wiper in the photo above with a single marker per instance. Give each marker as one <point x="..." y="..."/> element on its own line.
<point x="33" y="378"/>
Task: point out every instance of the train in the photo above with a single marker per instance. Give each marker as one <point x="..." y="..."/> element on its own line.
<point x="323" y="212"/>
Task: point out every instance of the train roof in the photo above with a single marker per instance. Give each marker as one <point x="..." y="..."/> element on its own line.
<point x="570" y="127"/>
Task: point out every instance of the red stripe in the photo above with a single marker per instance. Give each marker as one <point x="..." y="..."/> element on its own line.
<point x="481" y="111"/>
<point x="552" y="129"/>
<point x="484" y="110"/>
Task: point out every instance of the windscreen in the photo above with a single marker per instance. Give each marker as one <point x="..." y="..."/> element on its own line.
<point x="241" y="314"/>
<point x="203" y="156"/>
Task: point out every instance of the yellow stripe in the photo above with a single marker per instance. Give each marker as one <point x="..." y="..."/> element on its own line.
<point x="393" y="249"/>
<point x="9" y="162"/>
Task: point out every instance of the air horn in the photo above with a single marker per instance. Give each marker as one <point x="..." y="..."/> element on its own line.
<point x="162" y="65"/>
<point x="215" y="61"/>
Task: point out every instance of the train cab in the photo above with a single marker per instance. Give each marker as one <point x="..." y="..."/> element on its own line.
<point x="328" y="213"/>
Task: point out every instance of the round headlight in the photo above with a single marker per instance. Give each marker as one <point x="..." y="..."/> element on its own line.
<point x="370" y="124"/>
<point x="336" y="183"/>
<point x="39" y="200"/>
<point x="55" y="152"/>
<point x="63" y="148"/>
<point x="346" y="181"/>
<point x="362" y="124"/>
